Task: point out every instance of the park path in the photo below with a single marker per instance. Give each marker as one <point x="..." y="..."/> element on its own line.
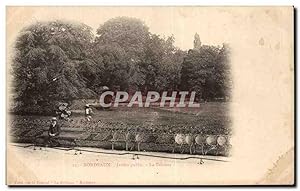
<point x="45" y="165"/>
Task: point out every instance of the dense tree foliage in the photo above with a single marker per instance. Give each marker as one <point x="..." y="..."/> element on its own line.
<point x="48" y="62"/>
<point x="206" y="70"/>
<point x="62" y="61"/>
<point x="161" y="65"/>
<point x="119" y="48"/>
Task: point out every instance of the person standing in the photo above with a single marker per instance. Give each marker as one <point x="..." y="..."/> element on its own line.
<point x="88" y="112"/>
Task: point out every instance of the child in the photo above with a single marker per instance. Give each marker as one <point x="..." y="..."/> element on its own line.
<point x="88" y="112"/>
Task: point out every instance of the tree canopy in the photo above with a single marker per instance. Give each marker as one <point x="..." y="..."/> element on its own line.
<point x="207" y="71"/>
<point x="62" y="61"/>
<point x="47" y="63"/>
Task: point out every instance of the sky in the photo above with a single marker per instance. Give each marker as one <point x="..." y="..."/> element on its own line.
<point x="182" y="22"/>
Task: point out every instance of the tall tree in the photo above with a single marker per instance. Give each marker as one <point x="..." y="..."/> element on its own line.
<point x="45" y="63"/>
<point x="162" y="64"/>
<point x="197" y="42"/>
<point x="207" y="72"/>
<point x="129" y="36"/>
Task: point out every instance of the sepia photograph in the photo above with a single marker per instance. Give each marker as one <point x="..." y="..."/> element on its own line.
<point x="149" y="95"/>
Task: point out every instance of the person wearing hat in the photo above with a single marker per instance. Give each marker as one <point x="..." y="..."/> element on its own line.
<point x="54" y="130"/>
<point x="88" y="112"/>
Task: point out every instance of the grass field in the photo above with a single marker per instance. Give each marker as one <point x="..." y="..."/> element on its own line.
<point x="158" y="126"/>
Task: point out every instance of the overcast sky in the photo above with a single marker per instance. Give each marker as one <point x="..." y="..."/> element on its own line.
<point x="182" y="22"/>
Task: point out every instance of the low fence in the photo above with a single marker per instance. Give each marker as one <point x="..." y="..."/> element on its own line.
<point x="121" y="136"/>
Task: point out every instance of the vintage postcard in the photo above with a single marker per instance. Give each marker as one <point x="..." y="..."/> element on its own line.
<point x="150" y="95"/>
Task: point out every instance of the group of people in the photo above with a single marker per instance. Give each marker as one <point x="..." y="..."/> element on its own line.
<point x="64" y="113"/>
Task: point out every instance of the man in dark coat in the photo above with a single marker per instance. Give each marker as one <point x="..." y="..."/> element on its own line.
<point x="54" y="130"/>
